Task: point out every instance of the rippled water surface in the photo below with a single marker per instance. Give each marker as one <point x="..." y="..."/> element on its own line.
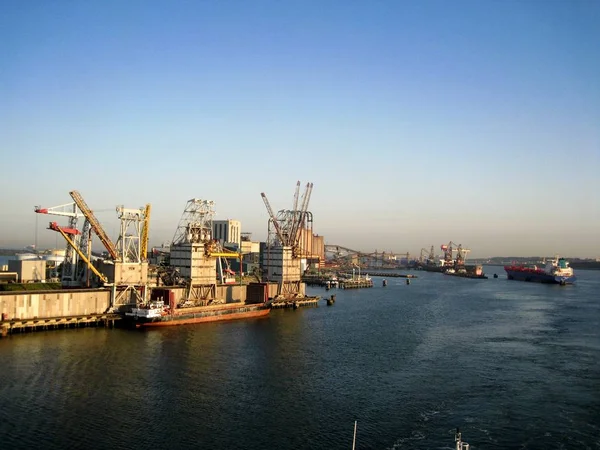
<point x="514" y="365"/>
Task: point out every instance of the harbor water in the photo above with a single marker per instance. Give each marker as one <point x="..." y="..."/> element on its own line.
<point x="513" y="364"/>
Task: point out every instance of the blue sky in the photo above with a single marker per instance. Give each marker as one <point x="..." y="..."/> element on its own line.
<point x="418" y="122"/>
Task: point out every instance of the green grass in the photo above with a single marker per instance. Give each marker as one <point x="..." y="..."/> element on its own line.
<point x="19" y="287"/>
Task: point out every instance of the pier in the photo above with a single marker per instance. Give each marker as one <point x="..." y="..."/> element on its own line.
<point x="356" y="283"/>
<point x="392" y="275"/>
<point x="12" y="326"/>
<point x="295" y="303"/>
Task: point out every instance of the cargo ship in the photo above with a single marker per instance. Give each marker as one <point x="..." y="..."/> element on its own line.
<point x="556" y="271"/>
<point x="157" y="314"/>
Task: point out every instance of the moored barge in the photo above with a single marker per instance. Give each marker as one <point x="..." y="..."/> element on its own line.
<point x="157" y="315"/>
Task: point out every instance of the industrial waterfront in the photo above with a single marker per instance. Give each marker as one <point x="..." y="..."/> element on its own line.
<point x="514" y="365"/>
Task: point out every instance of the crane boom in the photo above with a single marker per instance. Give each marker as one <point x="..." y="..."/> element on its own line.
<point x="67" y="210"/>
<point x="145" y="229"/>
<point x="95" y="224"/>
<point x="273" y="218"/>
<point x="299" y="216"/>
<point x="295" y="206"/>
<point x="65" y="233"/>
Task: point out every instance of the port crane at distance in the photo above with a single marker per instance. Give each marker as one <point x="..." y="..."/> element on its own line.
<point x="288" y="227"/>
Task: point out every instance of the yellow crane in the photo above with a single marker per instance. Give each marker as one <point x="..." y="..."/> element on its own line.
<point x="65" y="233"/>
<point x="95" y="224"/>
<point x="145" y="229"/>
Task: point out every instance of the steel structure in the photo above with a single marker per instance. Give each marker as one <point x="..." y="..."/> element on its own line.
<point x="289" y="232"/>
<point x="286" y="228"/>
<point x="95" y="224"/>
<point x="461" y="254"/>
<point x="66" y="232"/>
<point x="194" y="253"/>
<point x="145" y="234"/>
<point x="126" y="269"/>
<point x="69" y="273"/>
<point x="195" y="225"/>
<point x="348" y="257"/>
<point x="129" y="244"/>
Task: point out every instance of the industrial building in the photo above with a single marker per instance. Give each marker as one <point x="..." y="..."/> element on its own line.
<point x="227" y="232"/>
<point x="28" y="270"/>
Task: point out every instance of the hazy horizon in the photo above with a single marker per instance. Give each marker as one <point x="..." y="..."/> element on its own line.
<point x="419" y="123"/>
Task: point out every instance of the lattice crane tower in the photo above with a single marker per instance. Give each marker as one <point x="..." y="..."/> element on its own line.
<point x="195" y="225"/>
<point x="190" y="250"/>
<point x="284" y="250"/>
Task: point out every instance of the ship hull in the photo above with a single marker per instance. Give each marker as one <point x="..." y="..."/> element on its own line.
<point x="438" y="269"/>
<point x="204" y="315"/>
<point x="467" y="275"/>
<point x="528" y="276"/>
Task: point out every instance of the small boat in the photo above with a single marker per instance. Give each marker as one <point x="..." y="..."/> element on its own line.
<point x="556" y="271"/>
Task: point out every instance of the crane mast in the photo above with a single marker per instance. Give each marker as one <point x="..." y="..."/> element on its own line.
<point x="272" y="218"/>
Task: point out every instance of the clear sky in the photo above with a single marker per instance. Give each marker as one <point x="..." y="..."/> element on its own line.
<point x="419" y="122"/>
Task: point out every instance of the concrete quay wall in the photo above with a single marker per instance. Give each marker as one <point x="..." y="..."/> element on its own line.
<point x="61" y="303"/>
<point x="82" y="302"/>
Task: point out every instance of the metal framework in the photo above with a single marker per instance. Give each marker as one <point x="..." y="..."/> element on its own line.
<point x="145" y="234"/>
<point x="287" y="227"/>
<point x="130" y="237"/>
<point x="65" y="232"/>
<point x="461" y="254"/>
<point x="195" y="225"/>
<point x="95" y="224"/>
<point x="290" y="230"/>
<point x="348" y="257"/>
<point x="69" y="266"/>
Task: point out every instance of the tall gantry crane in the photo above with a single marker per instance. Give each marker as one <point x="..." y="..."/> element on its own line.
<point x="289" y="239"/>
<point x="133" y="238"/>
<point x="448" y="250"/>
<point x="290" y="224"/>
<point x="126" y="265"/>
<point x="195" y="225"/>
<point x="194" y="253"/>
<point x="431" y="257"/>
<point x="461" y="254"/>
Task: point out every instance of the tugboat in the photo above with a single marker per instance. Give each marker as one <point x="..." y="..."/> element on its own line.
<point x="557" y="271"/>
